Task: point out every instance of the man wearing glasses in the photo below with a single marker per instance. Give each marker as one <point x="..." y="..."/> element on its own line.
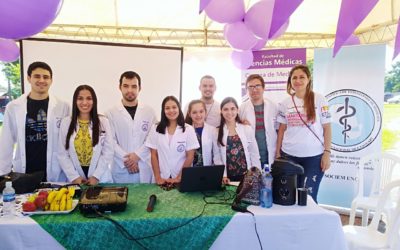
<point x="261" y="114"/>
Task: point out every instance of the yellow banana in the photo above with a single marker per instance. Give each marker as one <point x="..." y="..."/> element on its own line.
<point x="71" y="192"/>
<point x="63" y="202"/>
<point x="51" y="196"/>
<point x="47" y="207"/>
<point x="60" y="193"/>
<point x="56" y="205"/>
<point x="52" y="206"/>
<point x="69" y="203"/>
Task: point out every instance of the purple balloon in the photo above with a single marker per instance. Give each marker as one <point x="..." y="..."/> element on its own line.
<point x="242" y="59"/>
<point x="352" y="40"/>
<point x="9" y="51"/>
<point x="258" y="18"/>
<point x="280" y="31"/>
<point x="24" y="18"/>
<point x="260" y="44"/>
<point x="239" y="36"/>
<point x="225" y="11"/>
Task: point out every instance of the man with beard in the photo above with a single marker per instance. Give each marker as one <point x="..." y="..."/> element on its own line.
<point x="207" y="88"/>
<point x="131" y="122"/>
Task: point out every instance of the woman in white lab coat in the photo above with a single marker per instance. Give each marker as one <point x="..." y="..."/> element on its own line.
<point x="86" y="143"/>
<point x="172" y="143"/>
<point x="206" y="134"/>
<point x="237" y="144"/>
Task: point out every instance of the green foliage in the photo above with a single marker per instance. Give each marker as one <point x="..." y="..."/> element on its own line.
<point x="13" y="74"/>
<point x="392" y="79"/>
<point x="310" y="64"/>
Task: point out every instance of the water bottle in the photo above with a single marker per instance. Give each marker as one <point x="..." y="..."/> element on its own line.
<point x="266" y="190"/>
<point x="8" y="200"/>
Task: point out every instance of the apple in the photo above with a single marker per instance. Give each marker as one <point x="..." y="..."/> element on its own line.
<point x="28" y="206"/>
<point x="43" y="193"/>
<point x="40" y="202"/>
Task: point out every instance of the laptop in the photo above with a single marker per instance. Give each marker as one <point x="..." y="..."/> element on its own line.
<point x="206" y="178"/>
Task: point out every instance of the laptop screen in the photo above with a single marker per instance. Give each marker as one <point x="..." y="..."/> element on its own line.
<point x="204" y="178"/>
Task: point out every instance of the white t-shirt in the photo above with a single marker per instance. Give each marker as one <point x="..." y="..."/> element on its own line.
<point x="172" y="150"/>
<point x="298" y="140"/>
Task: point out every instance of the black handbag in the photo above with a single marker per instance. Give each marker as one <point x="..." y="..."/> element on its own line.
<point x="22" y="183"/>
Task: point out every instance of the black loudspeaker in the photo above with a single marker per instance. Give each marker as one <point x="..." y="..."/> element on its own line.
<point x="284" y="184"/>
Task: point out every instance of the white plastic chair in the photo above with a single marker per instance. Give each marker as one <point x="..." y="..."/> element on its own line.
<point x="359" y="237"/>
<point x="383" y="164"/>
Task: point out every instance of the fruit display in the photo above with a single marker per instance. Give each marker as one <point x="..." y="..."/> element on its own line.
<point x="53" y="200"/>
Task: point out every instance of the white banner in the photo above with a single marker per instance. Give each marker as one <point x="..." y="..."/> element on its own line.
<point x="353" y="83"/>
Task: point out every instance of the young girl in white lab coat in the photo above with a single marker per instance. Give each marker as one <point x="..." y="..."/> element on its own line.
<point x="85" y="150"/>
<point x="206" y="134"/>
<point x="237" y="144"/>
<point x="172" y="143"/>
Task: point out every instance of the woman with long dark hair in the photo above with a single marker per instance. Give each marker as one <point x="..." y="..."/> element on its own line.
<point x="172" y="143"/>
<point x="206" y="134"/>
<point x="304" y="134"/>
<point x="237" y="144"/>
<point x="85" y="150"/>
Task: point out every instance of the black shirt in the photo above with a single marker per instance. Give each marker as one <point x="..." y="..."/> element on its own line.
<point x="131" y="111"/>
<point x="36" y="135"/>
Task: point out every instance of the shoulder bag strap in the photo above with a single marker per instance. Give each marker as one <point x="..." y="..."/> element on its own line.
<point x="301" y="118"/>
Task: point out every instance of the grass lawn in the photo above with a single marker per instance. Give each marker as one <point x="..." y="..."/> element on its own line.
<point x="390" y="126"/>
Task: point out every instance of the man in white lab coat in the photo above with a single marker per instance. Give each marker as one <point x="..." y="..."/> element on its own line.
<point x="131" y="122"/>
<point x="261" y="113"/>
<point x="32" y="122"/>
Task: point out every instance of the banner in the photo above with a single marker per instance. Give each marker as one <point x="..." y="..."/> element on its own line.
<point x="353" y="83"/>
<point x="273" y="66"/>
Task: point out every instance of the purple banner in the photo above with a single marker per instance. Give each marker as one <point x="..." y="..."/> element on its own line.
<point x="274" y="66"/>
<point x="278" y="58"/>
<point x="397" y="42"/>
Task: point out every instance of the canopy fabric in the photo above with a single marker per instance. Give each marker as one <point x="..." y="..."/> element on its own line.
<point x="312" y="17"/>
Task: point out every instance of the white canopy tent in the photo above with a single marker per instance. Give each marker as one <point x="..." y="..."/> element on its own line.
<point x="177" y="23"/>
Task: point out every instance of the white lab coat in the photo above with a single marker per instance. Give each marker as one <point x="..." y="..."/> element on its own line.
<point x="103" y="152"/>
<point x="248" y="139"/>
<point x="208" y="144"/>
<point x="246" y="112"/>
<point x="129" y="136"/>
<point x="172" y="154"/>
<point x="13" y="132"/>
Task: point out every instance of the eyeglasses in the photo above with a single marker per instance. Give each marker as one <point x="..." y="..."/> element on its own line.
<point x="258" y="86"/>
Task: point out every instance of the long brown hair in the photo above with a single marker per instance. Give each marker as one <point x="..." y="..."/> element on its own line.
<point x="94" y="117"/>
<point x="309" y="103"/>
<point x="222" y="123"/>
<point x="189" y="119"/>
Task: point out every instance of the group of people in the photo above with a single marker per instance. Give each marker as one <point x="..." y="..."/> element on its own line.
<point x="128" y="145"/>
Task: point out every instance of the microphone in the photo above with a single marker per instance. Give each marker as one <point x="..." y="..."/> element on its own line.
<point x="152" y="202"/>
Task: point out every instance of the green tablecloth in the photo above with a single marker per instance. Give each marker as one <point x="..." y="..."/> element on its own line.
<point x="74" y="231"/>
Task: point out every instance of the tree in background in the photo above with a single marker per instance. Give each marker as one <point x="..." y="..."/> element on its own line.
<point x="13" y="74"/>
<point x="310" y="64"/>
<point x="392" y="79"/>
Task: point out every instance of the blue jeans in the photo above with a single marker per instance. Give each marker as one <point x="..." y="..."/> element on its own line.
<point x="312" y="171"/>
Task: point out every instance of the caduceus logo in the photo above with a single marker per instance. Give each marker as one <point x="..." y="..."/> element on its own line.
<point x="356" y="120"/>
<point x="344" y="118"/>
